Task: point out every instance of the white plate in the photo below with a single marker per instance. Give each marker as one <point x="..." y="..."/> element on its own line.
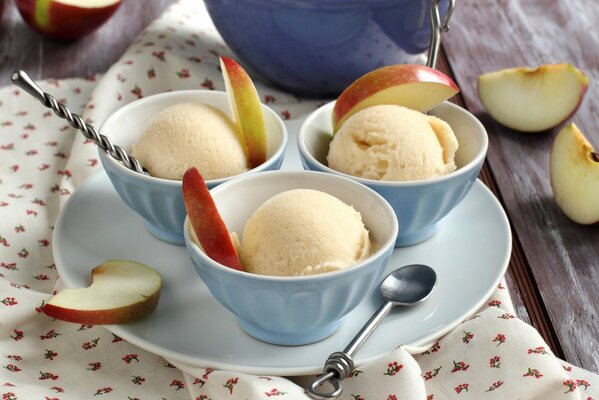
<point x="470" y="254"/>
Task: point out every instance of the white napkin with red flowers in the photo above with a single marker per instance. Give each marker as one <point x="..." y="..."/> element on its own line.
<point x="493" y="355"/>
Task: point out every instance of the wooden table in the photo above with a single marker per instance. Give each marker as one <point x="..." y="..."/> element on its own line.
<point x="554" y="270"/>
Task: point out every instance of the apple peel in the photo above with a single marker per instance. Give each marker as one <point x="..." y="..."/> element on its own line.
<point x="206" y="221"/>
<point x="409" y="85"/>
<point x="247" y="110"/>
<point x="121" y="291"/>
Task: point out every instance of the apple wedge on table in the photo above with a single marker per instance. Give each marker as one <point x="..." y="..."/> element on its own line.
<point x="409" y="85"/>
<point x="66" y="19"/>
<point x="533" y="100"/>
<point x="121" y="291"/>
<point x="574" y="171"/>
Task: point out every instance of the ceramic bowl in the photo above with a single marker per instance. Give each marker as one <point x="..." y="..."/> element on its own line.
<point x="160" y="201"/>
<point x="419" y="205"/>
<point x="317" y="48"/>
<point x="294" y="310"/>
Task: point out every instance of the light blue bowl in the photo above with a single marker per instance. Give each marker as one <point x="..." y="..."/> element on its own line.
<point x="419" y="205"/>
<point x="160" y="201"/>
<point x="300" y="309"/>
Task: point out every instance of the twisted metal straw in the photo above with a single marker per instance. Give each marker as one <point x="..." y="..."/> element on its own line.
<point x="22" y="80"/>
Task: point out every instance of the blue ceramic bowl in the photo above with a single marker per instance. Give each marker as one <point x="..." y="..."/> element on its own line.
<point x="318" y="47"/>
<point x="294" y="310"/>
<point x="418" y="205"/>
<point x="160" y="201"/>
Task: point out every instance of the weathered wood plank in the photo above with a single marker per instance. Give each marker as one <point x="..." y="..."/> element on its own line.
<point x="563" y="256"/>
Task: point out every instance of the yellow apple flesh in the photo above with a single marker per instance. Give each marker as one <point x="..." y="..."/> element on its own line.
<point x="413" y="86"/>
<point x="533" y="100"/>
<point x="121" y="291"/>
<point x="247" y="110"/>
<point x="574" y="170"/>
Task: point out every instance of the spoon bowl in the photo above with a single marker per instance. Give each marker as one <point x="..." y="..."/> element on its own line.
<point x="409" y="285"/>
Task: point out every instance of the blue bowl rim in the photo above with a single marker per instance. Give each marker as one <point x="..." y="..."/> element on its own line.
<point x="386" y="246"/>
<point x="465" y="170"/>
<point x="177" y="183"/>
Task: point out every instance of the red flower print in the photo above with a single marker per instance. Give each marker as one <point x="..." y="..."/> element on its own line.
<point x="393" y="368"/>
<point x="9" y="396"/>
<point x="274" y="392"/>
<point x="202" y="397"/>
<point x="47" y="375"/>
<point x="30" y="212"/>
<point x="460" y="366"/>
<point x="130" y="357"/>
<point x="392" y="397"/>
<point x="10" y="267"/>
<point x="507" y="316"/>
<point x="136" y="91"/>
<point x="494" y="303"/>
<point x="102" y="391"/>
<point x="18" y="335"/>
<point x="430" y="397"/>
<point x="431" y="374"/>
<point x="500" y="339"/>
<point x="183" y="74"/>
<point x="286" y="114"/>
<point x="208" y="84"/>
<point x="196" y="60"/>
<point x="582" y="383"/>
<point x="90" y="345"/>
<point x="159" y="55"/>
<point x="116" y="338"/>
<point x="14" y="168"/>
<point x="268" y="99"/>
<point x="39" y="202"/>
<point x="458" y="389"/>
<point x="9" y="146"/>
<point x="354" y="372"/>
<point x="66" y="173"/>
<point x="151" y="73"/>
<point x="12" y="368"/>
<point x="31" y="152"/>
<point x="538" y="350"/>
<point x="533" y="372"/>
<point x="94" y="366"/>
<point x="177" y="384"/>
<point x="230" y="384"/>
<point x="51" y="334"/>
<point x="14" y="357"/>
<point x="434" y="348"/>
<point x="467" y="337"/>
<point x="138" y="380"/>
<point x="494" y="386"/>
<point x="198" y="381"/>
<point x="9" y="301"/>
<point x="62" y="155"/>
<point x="58" y="389"/>
<point x="356" y="396"/>
<point x="207" y="372"/>
<point x="50" y="355"/>
<point x="570" y="384"/>
<point x="495" y="362"/>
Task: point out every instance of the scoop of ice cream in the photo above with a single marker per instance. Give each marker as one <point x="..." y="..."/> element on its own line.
<point x="190" y="135"/>
<point x="393" y="143"/>
<point x="303" y="232"/>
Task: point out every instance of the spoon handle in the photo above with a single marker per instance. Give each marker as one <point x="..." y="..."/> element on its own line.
<point x="22" y="80"/>
<point x="340" y="364"/>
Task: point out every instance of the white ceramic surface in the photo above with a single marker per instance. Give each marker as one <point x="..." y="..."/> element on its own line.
<point x="470" y="254"/>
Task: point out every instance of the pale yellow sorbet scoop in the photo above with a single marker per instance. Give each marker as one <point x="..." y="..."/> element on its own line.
<point x="303" y="232"/>
<point x="393" y="143"/>
<point x="191" y="135"/>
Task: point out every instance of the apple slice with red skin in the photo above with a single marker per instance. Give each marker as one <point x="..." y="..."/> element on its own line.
<point x="533" y="100"/>
<point x="574" y="172"/>
<point x="206" y="221"/>
<point x="121" y="291"/>
<point x="247" y="110"/>
<point x="413" y="86"/>
<point x="66" y="19"/>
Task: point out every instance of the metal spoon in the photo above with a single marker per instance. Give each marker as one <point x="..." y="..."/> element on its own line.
<point x="22" y="80"/>
<point x="405" y="286"/>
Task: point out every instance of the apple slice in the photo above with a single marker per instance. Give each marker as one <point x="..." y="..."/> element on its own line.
<point x="413" y="86"/>
<point x="207" y="223"/>
<point x="247" y="110"/>
<point x="66" y="19"/>
<point x="533" y="100"/>
<point x="574" y="171"/>
<point x="121" y="291"/>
